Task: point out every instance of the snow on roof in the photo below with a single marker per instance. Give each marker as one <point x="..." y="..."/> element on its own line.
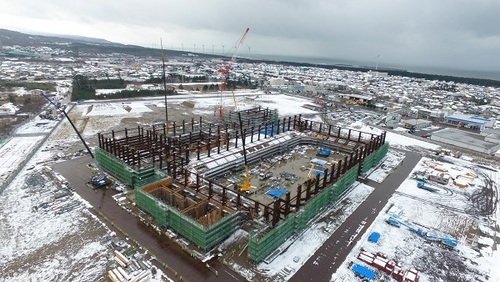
<point x="466" y="138"/>
<point x="99" y="92"/>
<point x="477" y="120"/>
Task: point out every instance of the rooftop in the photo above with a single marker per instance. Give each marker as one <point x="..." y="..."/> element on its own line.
<point x="469" y="138"/>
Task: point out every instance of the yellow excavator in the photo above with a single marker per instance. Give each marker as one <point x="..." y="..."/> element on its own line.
<point x="246" y="184"/>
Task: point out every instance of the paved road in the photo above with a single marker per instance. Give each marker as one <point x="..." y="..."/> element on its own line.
<point x="330" y="256"/>
<point x="77" y="174"/>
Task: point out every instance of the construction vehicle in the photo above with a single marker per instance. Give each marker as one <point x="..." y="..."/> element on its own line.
<point x="421" y="178"/>
<point x="247" y="184"/>
<point x="224" y="72"/>
<point x="265" y="175"/>
<point x="351" y="102"/>
<point x="446" y="241"/>
<point x="423" y="185"/>
<point x="324" y="152"/>
<point x="100" y="181"/>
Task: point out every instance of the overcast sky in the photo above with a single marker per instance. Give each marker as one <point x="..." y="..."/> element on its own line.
<point x="443" y="33"/>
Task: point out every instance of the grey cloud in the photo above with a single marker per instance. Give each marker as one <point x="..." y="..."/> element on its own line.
<point x="451" y="33"/>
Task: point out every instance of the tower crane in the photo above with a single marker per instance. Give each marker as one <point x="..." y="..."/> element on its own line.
<point x="224" y="72"/>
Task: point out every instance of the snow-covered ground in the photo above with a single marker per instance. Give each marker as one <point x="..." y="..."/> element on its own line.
<point x="47" y="231"/>
<point x="12" y="152"/>
<point x="36" y="126"/>
<point x="43" y="243"/>
<point x="445" y="213"/>
<point x="305" y="245"/>
<point x="386" y="167"/>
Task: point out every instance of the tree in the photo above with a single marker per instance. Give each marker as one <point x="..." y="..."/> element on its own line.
<point x="12" y="98"/>
<point x="27" y="100"/>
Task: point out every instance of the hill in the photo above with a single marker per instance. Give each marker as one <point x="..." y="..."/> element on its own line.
<point x="10" y="38"/>
<point x="80" y="44"/>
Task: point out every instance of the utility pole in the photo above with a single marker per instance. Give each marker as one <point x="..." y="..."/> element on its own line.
<point x="164" y="82"/>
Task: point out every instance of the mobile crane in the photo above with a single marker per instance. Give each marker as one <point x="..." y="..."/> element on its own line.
<point x="58" y="107"/>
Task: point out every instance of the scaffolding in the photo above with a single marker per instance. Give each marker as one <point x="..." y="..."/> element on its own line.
<point x="200" y="220"/>
<point x="126" y="174"/>
<point x="261" y="245"/>
<point x="373" y="159"/>
<point x="205" y="212"/>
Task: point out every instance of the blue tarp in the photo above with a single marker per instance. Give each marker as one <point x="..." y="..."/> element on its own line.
<point x="324" y="152"/>
<point x="268" y="131"/>
<point x="276" y="192"/>
<point x="374" y="237"/>
<point x="320" y="172"/>
<point x="319" y="162"/>
<point x="364" y="272"/>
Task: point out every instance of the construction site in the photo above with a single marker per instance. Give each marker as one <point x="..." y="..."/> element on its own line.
<point x="251" y="170"/>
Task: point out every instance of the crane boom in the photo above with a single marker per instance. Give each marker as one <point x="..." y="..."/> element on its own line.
<point x="235" y="103"/>
<point x="70" y="122"/>
<point x="225" y="70"/>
